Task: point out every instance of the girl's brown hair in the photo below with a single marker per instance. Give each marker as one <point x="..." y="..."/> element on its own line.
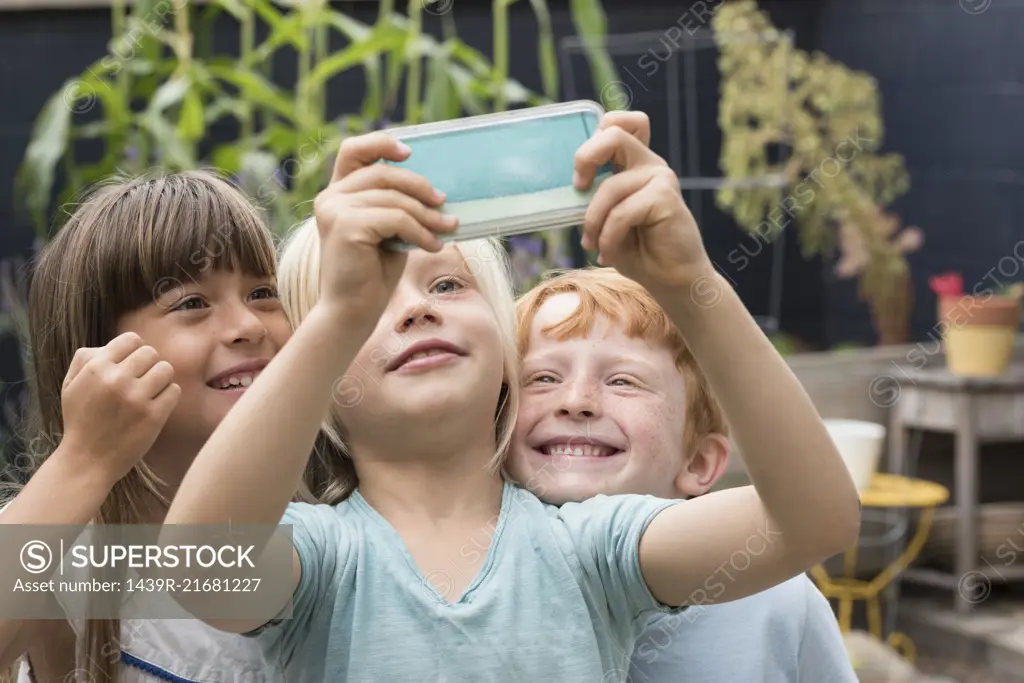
<point x="126" y="243"/>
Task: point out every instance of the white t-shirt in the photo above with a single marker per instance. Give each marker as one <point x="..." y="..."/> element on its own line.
<point x="185" y="651"/>
<point x="180" y="650"/>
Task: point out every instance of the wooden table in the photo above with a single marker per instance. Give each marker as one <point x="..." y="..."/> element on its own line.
<point x="975" y="411"/>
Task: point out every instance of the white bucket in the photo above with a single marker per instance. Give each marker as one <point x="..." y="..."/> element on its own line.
<point x="860" y="445"/>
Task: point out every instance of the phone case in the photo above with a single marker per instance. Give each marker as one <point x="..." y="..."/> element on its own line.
<point x="506" y="173"/>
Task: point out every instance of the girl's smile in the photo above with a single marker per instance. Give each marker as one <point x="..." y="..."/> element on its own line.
<point x="218" y="333"/>
<point x="237" y="378"/>
<point x="425" y="355"/>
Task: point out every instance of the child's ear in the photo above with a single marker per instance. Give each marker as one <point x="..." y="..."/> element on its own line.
<point x="704" y="466"/>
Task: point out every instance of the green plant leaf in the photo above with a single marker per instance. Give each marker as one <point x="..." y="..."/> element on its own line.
<point x="221" y="107"/>
<point x="252" y="86"/>
<point x="257" y="177"/>
<point x="289" y="31"/>
<point x="387" y="38"/>
<point x="358" y="32"/>
<point x="92" y="173"/>
<point x="592" y="26"/>
<point x="169" y="94"/>
<point x="547" y="58"/>
<point x="464" y="84"/>
<point x="442" y="100"/>
<point x="227" y="158"/>
<point x="353" y="29"/>
<point x="236" y="8"/>
<point x="468" y="56"/>
<point x="191" y="124"/>
<point x="46" y="147"/>
<point x="203" y="39"/>
<point x="176" y="155"/>
<point x="280" y="140"/>
<point x="143" y="46"/>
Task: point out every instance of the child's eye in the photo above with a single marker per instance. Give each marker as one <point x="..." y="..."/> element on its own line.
<point x="447" y="286"/>
<point x="541" y="379"/>
<point x="193" y="303"/>
<point x="623" y="382"/>
<point x="267" y="292"/>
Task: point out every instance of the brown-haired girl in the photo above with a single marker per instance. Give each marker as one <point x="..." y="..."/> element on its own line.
<point x="151" y="312"/>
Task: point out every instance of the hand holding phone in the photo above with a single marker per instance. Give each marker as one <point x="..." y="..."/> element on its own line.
<point x="507" y="173"/>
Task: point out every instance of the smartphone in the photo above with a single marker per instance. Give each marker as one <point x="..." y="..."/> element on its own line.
<point x="507" y="173"/>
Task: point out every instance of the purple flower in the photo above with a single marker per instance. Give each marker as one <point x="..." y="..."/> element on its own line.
<point x="527" y="243"/>
<point x="562" y="260"/>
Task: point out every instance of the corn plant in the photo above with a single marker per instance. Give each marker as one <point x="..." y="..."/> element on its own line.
<point x="154" y="98"/>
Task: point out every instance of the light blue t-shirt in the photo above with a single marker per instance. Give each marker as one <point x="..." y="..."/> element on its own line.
<point x="786" y="634"/>
<point x="559" y="597"/>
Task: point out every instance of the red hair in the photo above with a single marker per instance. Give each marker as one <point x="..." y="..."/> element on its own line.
<point x="605" y="292"/>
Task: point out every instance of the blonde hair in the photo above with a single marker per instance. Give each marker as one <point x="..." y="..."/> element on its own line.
<point x="605" y="292"/>
<point x="127" y="242"/>
<point x="331" y="476"/>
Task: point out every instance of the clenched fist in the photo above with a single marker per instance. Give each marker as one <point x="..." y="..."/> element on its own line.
<point x="115" y="401"/>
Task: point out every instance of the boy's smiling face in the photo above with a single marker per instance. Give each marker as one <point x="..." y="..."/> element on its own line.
<point x="602" y="413"/>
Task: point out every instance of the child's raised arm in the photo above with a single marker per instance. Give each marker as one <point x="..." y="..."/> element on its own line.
<point x="805" y="508"/>
<point x="252" y="465"/>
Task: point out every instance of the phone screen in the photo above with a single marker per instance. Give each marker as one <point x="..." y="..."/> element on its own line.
<point x="518" y="157"/>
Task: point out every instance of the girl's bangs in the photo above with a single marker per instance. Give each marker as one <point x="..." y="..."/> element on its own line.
<point x="176" y="231"/>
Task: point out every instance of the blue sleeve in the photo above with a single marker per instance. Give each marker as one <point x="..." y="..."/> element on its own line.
<point x="606" y="532"/>
<point x="823" y="655"/>
<point x="323" y="550"/>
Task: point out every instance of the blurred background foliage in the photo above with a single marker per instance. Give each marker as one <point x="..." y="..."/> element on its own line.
<point x="153" y="98"/>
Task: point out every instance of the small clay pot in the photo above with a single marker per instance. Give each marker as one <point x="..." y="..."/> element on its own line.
<point x="978" y="333"/>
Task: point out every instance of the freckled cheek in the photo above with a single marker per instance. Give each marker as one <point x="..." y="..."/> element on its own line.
<point x="652" y="431"/>
<point x="530" y="411"/>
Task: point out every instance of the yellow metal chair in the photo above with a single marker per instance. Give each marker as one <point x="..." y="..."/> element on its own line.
<point x="886" y="491"/>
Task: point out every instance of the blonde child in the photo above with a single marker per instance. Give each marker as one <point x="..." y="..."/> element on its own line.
<point x="433" y="568"/>
<point x="603" y="365"/>
<point x="151" y="311"/>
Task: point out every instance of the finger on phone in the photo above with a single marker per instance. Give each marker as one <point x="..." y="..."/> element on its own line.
<point x="636" y="123"/>
<point x="390" y="223"/>
<point x="121" y="346"/>
<point x="159" y="376"/>
<point x="612" y="192"/>
<point x="431" y="218"/>
<point x="609" y="145"/>
<point x="141" y="360"/>
<point x="617" y="226"/>
<point x="361" y="151"/>
<point x="382" y="176"/>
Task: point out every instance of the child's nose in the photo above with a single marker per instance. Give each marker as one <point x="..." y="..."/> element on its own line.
<point x="579" y="403"/>
<point x="249" y="327"/>
<point x="421" y="313"/>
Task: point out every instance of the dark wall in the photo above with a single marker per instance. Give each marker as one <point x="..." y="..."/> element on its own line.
<point x="953" y="102"/>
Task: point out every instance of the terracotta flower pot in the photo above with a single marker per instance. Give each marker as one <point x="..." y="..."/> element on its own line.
<point x="978" y="333"/>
